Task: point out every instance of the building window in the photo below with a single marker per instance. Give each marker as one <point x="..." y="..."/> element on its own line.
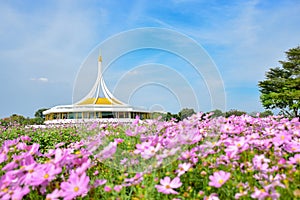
<point x="78" y="115"/>
<point x="71" y="115"/>
<point x="64" y="115"/>
<point x="107" y="115"/>
<point x="92" y="115"/>
<point x="85" y="115"/>
<point x="121" y="114"/>
<point x="98" y="114"/>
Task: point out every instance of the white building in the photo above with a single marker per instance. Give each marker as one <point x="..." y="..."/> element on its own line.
<point x="98" y="105"/>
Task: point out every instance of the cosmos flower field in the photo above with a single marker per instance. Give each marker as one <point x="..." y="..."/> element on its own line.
<point x="198" y="158"/>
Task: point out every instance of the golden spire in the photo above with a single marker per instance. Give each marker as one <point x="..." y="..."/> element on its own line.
<point x="100" y="56"/>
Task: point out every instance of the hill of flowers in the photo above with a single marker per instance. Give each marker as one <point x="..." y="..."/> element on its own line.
<point x="239" y="157"/>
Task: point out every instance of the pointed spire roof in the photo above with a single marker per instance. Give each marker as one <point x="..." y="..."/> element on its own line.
<point x="99" y="94"/>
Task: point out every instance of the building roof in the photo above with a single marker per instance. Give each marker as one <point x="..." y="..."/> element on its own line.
<point x="100" y="101"/>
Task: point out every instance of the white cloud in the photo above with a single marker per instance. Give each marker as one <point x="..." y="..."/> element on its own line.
<point x="41" y="79"/>
<point x="252" y="40"/>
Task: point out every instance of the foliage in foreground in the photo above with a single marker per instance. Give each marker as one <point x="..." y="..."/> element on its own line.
<point x="197" y="158"/>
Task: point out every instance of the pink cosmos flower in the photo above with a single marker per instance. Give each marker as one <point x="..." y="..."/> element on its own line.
<point x="212" y="196"/>
<point x="295" y="159"/>
<point x="25" y="138"/>
<point x="262" y="194"/>
<point x="136" y="121"/>
<point x="119" y="140"/>
<point x="281" y="138"/>
<point x="33" y="149"/>
<point x="281" y="161"/>
<point x="260" y="159"/>
<point x="44" y="174"/>
<point x="107" y="188"/>
<point x="151" y="151"/>
<point x="182" y="168"/>
<point x="219" y="178"/>
<point x="75" y="186"/>
<point x="292" y="147"/>
<point x="242" y="143"/>
<point x="10" y="166"/>
<point x="3" y="157"/>
<point x="96" y="173"/>
<point x="260" y="162"/>
<point x="17" y="193"/>
<point x="167" y="185"/>
<point x="28" y="176"/>
<point x="92" y="126"/>
<point x="54" y="195"/>
<point x="129" y="132"/>
<point x="108" y="151"/>
<point x="99" y="182"/>
<point x="83" y="167"/>
<point x="21" y="146"/>
<point x="261" y="166"/>
<point x="118" y="188"/>
<point x="191" y="137"/>
<point x="187" y="155"/>
<point x="231" y="151"/>
<point x="142" y="147"/>
<point x="135" y="180"/>
<point x="59" y="144"/>
<point x="240" y="194"/>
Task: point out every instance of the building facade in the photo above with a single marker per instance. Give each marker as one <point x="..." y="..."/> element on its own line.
<point x="98" y="105"/>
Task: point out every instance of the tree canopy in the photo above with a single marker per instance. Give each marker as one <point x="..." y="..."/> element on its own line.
<point x="281" y="89"/>
<point x="186" y="112"/>
<point x="39" y="113"/>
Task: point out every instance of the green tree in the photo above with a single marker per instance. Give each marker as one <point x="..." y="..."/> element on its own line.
<point x="217" y="113"/>
<point x="15" y="119"/>
<point x="234" y="112"/>
<point x="170" y="116"/>
<point x="281" y="89"/>
<point x="39" y="117"/>
<point x="39" y="113"/>
<point x="266" y="113"/>
<point x="186" y="112"/>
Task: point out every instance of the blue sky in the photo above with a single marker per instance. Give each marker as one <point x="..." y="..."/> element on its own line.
<point x="44" y="43"/>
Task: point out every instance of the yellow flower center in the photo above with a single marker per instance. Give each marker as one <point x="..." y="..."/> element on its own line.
<point x="76" y="189"/>
<point x="46" y="176"/>
<point x="239" y="145"/>
<point x="221" y="181"/>
<point x="31" y="170"/>
<point x="5" y="190"/>
<point x="262" y="190"/>
<point x="168" y="187"/>
<point x="77" y="152"/>
<point x="282" y="137"/>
